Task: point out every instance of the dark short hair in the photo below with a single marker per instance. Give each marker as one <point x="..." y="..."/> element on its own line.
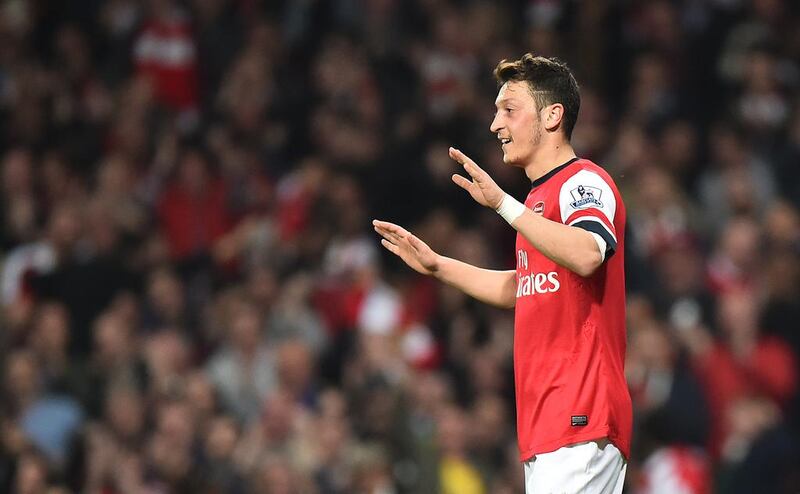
<point x="549" y="80"/>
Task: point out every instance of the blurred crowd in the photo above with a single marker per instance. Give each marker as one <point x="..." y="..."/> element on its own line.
<point x="193" y="299"/>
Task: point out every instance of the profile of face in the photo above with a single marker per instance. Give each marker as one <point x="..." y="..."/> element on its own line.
<point x="520" y="125"/>
<point x="517" y="123"/>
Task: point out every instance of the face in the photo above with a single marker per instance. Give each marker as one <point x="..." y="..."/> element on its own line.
<point x="517" y="123"/>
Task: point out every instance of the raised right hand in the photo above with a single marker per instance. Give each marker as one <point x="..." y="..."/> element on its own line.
<point x="407" y="247"/>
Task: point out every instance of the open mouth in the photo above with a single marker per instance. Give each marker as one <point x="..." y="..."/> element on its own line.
<point x="505" y="141"/>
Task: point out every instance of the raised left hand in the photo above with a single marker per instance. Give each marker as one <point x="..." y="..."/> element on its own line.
<point x="482" y="187"/>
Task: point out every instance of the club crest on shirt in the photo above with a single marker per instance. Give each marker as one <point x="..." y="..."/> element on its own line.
<point x="586" y="196"/>
<point x="538" y="208"/>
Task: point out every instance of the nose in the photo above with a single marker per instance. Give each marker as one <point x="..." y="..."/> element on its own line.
<point x="496" y="125"/>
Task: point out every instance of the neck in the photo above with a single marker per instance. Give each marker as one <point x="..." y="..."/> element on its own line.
<point x="548" y="158"/>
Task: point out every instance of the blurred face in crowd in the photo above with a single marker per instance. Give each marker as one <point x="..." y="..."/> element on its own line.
<point x="332" y="404"/>
<point x="452" y="427"/>
<point x="489" y="417"/>
<point x="727" y="149"/>
<point x="331" y="438"/>
<point x="741" y="242"/>
<point x="112" y="338"/>
<point x="165" y="294"/>
<point x="245" y="328"/>
<point x="192" y="173"/>
<point x="517" y="123"/>
<point x="277" y="417"/>
<point x="750" y="416"/>
<point x="295" y="365"/>
<point x="21" y="376"/>
<point x="738" y="314"/>
<point x="651" y="346"/>
<point x="31" y="475"/>
<point x="275" y="476"/>
<point x="17" y="172"/>
<point x="125" y="412"/>
<point x="64" y="226"/>
<point x="175" y="423"/>
<point x="51" y="330"/>
<point x="681" y="269"/>
<point x="200" y="395"/>
<point x="221" y="438"/>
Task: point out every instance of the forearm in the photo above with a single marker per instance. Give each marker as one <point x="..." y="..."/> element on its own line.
<point x="568" y="246"/>
<point x="497" y="288"/>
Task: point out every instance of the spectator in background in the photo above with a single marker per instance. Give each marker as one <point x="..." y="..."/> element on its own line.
<point x="165" y="53"/>
<point x="244" y="370"/>
<point x="737" y="182"/>
<point x="49" y="340"/>
<point x="49" y="420"/>
<point x="19" y="204"/>
<point x="191" y="209"/>
<point x="741" y="363"/>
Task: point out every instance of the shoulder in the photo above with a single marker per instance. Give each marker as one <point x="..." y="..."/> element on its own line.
<point x="586" y="178"/>
<point x="587" y="169"/>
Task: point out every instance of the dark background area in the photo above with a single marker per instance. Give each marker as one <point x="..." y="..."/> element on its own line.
<point x="193" y="299"/>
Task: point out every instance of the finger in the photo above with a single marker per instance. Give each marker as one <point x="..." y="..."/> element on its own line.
<point x="463" y="159"/>
<point x="391" y="237"/>
<point x="462" y="182"/>
<point x="457" y="155"/>
<point x="472" y="168"/>
<point x="383" y="234"/>
<point x="387" y="235"/>
<point x="474" y="171"/>
<point x="387" y="232"/>
<point x="394" y="249"/>
<point x="396" y="229"/>
<point x="416" y="243"/>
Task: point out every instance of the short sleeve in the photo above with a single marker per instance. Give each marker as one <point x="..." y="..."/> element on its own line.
<point x="587" y="201"/>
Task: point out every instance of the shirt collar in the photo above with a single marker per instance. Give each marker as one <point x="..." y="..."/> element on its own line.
<point x="539" y="181"/>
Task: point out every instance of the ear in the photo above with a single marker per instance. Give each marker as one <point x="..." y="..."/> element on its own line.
<point x="553" y="115"/>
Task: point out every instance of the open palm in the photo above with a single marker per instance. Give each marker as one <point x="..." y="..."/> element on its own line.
<point x="483" y="189"/>
<point x="407" y="247"/>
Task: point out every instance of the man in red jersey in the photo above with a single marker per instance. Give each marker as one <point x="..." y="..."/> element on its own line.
<point x="574" y="413"/>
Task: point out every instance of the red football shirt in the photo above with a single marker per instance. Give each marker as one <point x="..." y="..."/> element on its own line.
<point x="569" y="331"/>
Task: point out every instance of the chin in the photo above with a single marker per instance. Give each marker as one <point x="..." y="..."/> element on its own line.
<point x="510" y="160"/>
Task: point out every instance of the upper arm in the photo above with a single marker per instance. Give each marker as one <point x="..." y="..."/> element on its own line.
<point x="509" y="288"/>
<point x="588" y="202"/>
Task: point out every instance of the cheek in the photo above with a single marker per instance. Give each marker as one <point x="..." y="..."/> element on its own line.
<point x="526" y="127"/>
<point x="523" y="132"/>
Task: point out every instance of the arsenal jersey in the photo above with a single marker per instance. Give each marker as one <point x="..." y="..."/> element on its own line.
<point x="569" y="331"/>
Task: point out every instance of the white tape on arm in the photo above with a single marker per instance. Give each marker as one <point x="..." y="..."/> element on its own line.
<point x="510" y="209"/>
<point x="601" y="244"/>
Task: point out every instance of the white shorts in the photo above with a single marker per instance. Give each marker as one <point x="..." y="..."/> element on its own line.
<point x="582" y="467"/>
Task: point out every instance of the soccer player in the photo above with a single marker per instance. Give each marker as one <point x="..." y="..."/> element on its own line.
<point x="574" y="413"/>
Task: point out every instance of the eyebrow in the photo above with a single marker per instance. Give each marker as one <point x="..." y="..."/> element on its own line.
<point x="499" y="103"/>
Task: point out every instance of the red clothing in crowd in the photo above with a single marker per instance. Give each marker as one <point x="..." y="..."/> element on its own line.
<point x="192" y="223"/>
<point x="768" y="370"/>
<point x="165" y="53"/>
